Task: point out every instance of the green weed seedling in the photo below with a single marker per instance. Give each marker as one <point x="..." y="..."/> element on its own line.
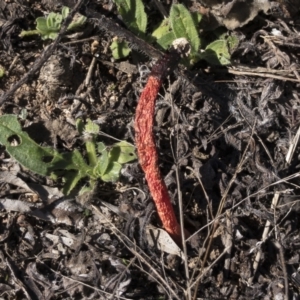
<point x="48" y="27"/>
<point x="103" y="163"/>
<point x="181" y="23"/>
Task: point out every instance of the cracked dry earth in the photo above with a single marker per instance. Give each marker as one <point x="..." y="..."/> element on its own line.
<point x="228" y="146"/>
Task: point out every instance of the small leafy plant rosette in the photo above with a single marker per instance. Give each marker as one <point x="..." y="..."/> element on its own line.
<point x="180" y="24"/>
<point x="106" y="161"/>
<point x="103" y="163"/>
<point x="119" y="49"/>
<point x="48" y="27"/>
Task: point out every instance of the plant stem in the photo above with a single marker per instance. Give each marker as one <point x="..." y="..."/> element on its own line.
<point x="28" y="33"/>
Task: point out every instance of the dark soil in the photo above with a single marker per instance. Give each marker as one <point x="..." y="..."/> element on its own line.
<point x="225" y="137"/>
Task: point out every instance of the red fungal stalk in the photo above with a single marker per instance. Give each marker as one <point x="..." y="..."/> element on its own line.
<point x="146" y="148"/>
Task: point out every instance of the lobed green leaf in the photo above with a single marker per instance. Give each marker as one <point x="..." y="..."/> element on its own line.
<point x="119" y="49"/>
<point x="54" y="21"/>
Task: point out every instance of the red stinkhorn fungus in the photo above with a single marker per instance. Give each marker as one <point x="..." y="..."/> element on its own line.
<point x="145" y="142"/>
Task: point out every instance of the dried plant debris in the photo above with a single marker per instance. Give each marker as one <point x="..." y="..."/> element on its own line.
<point x="234" y="13"/>
<point x="227" y="141"/>
<point x="57" y="79"/>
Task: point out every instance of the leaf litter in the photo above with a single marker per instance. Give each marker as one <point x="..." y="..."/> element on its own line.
<point x="226" y="133"/>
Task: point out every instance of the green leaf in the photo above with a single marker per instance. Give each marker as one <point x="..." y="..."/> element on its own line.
<point x="70" y="161"/>
<point x="112" y="173"/>
<point x="102" y="164"/>
<point x="91" y="127"/>
<point x="54" y="21"/>
<point x="78" y="21"/>
<point x="197" y="17"/>
<point x="110" y="163"/>
<point x="133" y="14"/>
<point x="122" y="152"/>
<point x="91" y="152"/>
<point x="183" y="25"/>
<point x="80" y="125"/>
<point x="217" y="53"/>
<point x="232" y="42"/>
<point x="22" y="148"/>
<point x="43" y="28"/>
<point x="140" y="15"/>
<point x="90" y="130"/>
<point x="86" y="189"/>
<point x="163" y="34"/>
<point x="166" y="40"/>
<point x="119" y="49"/>
<point x="65" y="11"/>
<point x="51" y="36"/>
<point x="71" y="179"/>
<point x="103" y="160"/>
<point x="74" y="169"/>
<point x="41" y="25"/>
<point x="101" y="147"/>
<point x="162" y="29"/>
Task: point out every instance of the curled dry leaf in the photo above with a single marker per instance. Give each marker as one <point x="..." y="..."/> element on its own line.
<point x="232" y="14"/>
